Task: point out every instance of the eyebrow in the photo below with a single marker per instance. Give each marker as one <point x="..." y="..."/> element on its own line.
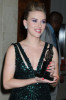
<point x="36" y="18"/>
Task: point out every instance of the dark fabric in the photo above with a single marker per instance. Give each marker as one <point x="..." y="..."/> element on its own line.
<point x="37" y="91"/>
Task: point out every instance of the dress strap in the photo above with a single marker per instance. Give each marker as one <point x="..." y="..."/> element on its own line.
<point x="15" y="46"/>
<point x="24" y="55"/>
<point x="27" y="59"/>
<point x="42" y="56"/>
<point x="16" y="50"/>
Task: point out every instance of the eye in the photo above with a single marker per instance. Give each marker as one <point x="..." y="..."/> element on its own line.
<point x="34" y="20"/>
<point x="43" y="21"/>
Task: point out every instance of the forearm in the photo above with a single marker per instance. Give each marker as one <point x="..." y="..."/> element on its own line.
<point x="56" y="77"/>
<point x="16" y="83"/>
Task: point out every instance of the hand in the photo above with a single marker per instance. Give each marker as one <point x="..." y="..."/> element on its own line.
<point x="56" y="78"/>
<point x="42" y="80"/>
<point x="51" y="68"/>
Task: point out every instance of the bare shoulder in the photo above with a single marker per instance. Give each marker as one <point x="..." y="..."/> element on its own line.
<point x="10" y="50"/>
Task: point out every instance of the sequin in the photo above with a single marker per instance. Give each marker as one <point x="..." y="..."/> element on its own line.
<point x="37" y="91"/>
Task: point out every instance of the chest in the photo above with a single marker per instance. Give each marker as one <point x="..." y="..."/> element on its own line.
<point x="34" y="55"/>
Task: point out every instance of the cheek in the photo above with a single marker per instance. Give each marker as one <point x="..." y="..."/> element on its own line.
<point x="44" y="26"/>
<point x="31" y="25"/>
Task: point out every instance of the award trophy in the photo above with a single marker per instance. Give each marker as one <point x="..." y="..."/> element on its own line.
<point x="48" y="59"/>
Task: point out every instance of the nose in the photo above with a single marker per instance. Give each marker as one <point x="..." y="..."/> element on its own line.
<point x="39" y="24"/>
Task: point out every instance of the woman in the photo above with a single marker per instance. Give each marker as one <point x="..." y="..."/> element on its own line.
<point x="25" y="58"/>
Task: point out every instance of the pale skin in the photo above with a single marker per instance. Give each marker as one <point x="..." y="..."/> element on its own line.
<point x="36" y="24"/>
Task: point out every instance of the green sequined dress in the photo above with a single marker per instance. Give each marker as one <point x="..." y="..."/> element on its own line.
<point x="37" y="91"/>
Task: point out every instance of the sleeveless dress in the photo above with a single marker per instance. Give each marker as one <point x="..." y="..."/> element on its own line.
<point x="37" y="91"/>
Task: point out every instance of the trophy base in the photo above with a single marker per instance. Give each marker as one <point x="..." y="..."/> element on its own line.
<point x="46" y="76"/>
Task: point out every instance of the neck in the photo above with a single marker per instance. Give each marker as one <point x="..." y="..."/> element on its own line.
<point x="33" y="41"/>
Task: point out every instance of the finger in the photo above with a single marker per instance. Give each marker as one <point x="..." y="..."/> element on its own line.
<point x="51" y="71"/>
<point x="51" y="67"/>
<point x="48" y="81"/>
<point x="56" y="76"/>
<point x="56" y="79"/>
<point x="51" y="74"/>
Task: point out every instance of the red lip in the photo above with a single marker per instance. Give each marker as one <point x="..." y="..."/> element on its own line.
<point x="38" y="30"/>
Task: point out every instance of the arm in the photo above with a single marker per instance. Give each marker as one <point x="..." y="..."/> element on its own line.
<point x="56" y="72"/>
<point x="8" y="73"/>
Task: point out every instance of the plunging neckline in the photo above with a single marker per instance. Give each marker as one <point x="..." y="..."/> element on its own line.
<point x="28" y="60"/>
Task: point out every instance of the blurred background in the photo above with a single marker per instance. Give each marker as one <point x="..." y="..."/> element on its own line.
<point x="10" y="24"/>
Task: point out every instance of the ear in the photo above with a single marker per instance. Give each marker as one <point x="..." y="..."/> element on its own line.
<point x="25" y="23"/>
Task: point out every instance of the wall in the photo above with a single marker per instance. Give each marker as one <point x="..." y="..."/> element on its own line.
<point x="60" y="6"/>
<point x="8" y="31"/>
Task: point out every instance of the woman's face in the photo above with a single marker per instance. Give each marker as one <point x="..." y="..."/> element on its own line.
<point x="36" y="23"/>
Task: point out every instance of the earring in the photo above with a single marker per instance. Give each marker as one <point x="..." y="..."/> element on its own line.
<point x="25" y="27"/>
